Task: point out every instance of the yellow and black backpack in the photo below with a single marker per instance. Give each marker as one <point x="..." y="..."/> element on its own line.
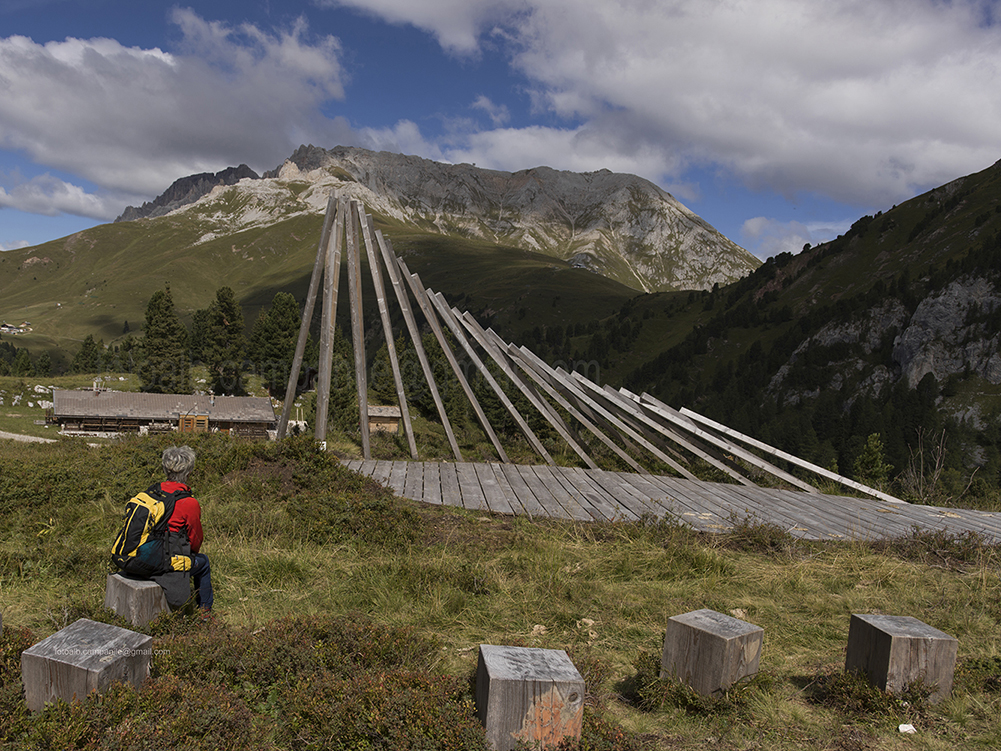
<point x="140" y="550"/>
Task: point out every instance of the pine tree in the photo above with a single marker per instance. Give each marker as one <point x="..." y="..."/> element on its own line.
<point x="224" y="345"/>
<point x="166" y="368"/>
<point x="88" y="359"/>
<point x="22" y="365"/>
<point x="273" y="341"/>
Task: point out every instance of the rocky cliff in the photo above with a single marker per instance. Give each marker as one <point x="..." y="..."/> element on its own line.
<point x="185" y="191"/>
<point x="620" y="226"/>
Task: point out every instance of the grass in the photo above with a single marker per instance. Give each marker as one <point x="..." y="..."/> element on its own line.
<point x="310" y="554"/>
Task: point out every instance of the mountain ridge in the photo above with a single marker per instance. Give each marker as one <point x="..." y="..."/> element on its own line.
<point x="621" y="226"/>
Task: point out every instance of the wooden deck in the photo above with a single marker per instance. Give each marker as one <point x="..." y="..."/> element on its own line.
<point x="586" y="495"/>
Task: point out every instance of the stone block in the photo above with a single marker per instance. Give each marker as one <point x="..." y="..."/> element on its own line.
<point x="531" y="695"/>
<point x="138" y="601"/>
<point x="85" y="656"/>
<point x="893" y="651"/>
<point x="710" y="651"/>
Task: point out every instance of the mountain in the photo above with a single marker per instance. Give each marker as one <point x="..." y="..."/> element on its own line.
<point x="186" y="190"/>
<point x="620" y="226"/>
<point x="893" y="329"/>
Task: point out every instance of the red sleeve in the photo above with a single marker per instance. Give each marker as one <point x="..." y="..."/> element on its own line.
<point x="187" y="515"/>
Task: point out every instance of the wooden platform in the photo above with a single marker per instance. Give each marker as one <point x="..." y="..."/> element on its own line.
<point x="595" y="495"/>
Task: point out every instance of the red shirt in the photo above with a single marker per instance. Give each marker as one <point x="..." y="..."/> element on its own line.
<point x="187" y="515"/>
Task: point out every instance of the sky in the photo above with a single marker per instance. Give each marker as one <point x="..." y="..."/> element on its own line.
<point x="780" y="122"/>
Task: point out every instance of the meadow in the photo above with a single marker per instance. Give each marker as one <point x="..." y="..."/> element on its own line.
<point x="349" y="618"/>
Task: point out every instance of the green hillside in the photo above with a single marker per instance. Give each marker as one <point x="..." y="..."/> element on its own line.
<point x="97" y="280"/>
<point x="806" y="352"/>
<point x="346" y="617"/>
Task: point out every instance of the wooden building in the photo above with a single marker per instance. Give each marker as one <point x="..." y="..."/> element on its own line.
<point x="98" y="410"/>
<point x="384" y="419"/>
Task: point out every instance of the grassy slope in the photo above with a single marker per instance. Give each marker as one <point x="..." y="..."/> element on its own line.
<point x="95" y="281"/>
<point x="292" y="534"/>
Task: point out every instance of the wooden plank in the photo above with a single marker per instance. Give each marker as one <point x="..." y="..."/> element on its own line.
<point x="398" y="477"/>
<point x="354" y="465"/>
<point x="574" y="387"/>
<point x="469" y="486"/>
<point x="382" y="471"/>
<point x="424" y="301"/>
<point x="331" y="280"/>
<point x="535" y="368"/>
<point x="789" y="457"/>
<point x="389" y="258"/>
<point x="655" y="407"/>
<point x="357" y="332"/>
<point x="625" y="493"/>
<point x="693" y="510"/>
<point x="493" y="493"/>
<point x="450" y="493"/>
<point x="603" y="504"/>
<point x="413" y="487"/>
<point x="367" y="467"/>
<point x="432" y="483"/>
<point x="499" y="355"/>
<point x="631" y="412"/>
<point x="367" y="229"/>
<point x="307" y="317"/>
<point x="551" y="505"/>
<point x="523" y="492"/>
<point x="458" y="332"/>
<point x="559" y="489"/>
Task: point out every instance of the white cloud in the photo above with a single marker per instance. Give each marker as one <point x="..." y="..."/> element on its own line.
<point x="17" y="245"/>
<point x="498" y="113"/>
<point x="456" y="24"/>
<point x="133" y="120"/>
<point x="864" y="101"/>
<point x="51" y="196"/>
<point x="767" y="237"/>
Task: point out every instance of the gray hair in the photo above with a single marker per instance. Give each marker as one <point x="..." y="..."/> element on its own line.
<point x="178" y="461"/>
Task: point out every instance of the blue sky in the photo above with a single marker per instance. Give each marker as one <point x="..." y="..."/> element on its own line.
<point x="778" y="121"/>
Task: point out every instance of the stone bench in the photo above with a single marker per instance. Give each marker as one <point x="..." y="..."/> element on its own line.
<point x="137" y="601"/>
<point x="85" y="656"/>
<point x="531" y="695"/>
<point x="710" y="651"/>
<point x="893" y="651"/>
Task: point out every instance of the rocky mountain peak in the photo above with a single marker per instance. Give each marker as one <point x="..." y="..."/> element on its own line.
<point x="618" y="225"/>
<point x="187" y="190"/>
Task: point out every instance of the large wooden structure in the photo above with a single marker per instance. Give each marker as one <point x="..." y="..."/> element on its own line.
<point x="637" y="428"/>
<point x="101" y="410"/>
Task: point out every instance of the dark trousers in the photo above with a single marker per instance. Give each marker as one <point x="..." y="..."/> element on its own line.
<point x="201" y="574"/>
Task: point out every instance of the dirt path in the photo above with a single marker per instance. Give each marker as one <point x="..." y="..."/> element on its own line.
<point x="25" y="438"/>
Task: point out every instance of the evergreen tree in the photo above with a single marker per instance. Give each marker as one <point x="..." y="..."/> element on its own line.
<point x="88" y="359"/>
<point x="44" y="365"/>
<point x="166" y="368"/>
<point x="224" y="345"/>
<point x="870" y="467"/>
<point x="273" y="341"/>
<point x="22" y="365"/>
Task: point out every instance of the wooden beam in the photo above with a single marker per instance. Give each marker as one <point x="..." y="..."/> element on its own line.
<point x="536" y="369"/>
<point x="307" y="316"/>
<point x="446" y="315"/>
<point x="573" y="389"/>
<point x="331" y="280"/>
<point x="658" y="408"/>
<point x="367" y="229"/>
<point x="358" y="326"/>
<point x="631" y="411"/>
<point x="423" y="300"/>
<point x="790" y="458"/>
<point x="389" y="258"/>
<point x="498" y="355"/>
